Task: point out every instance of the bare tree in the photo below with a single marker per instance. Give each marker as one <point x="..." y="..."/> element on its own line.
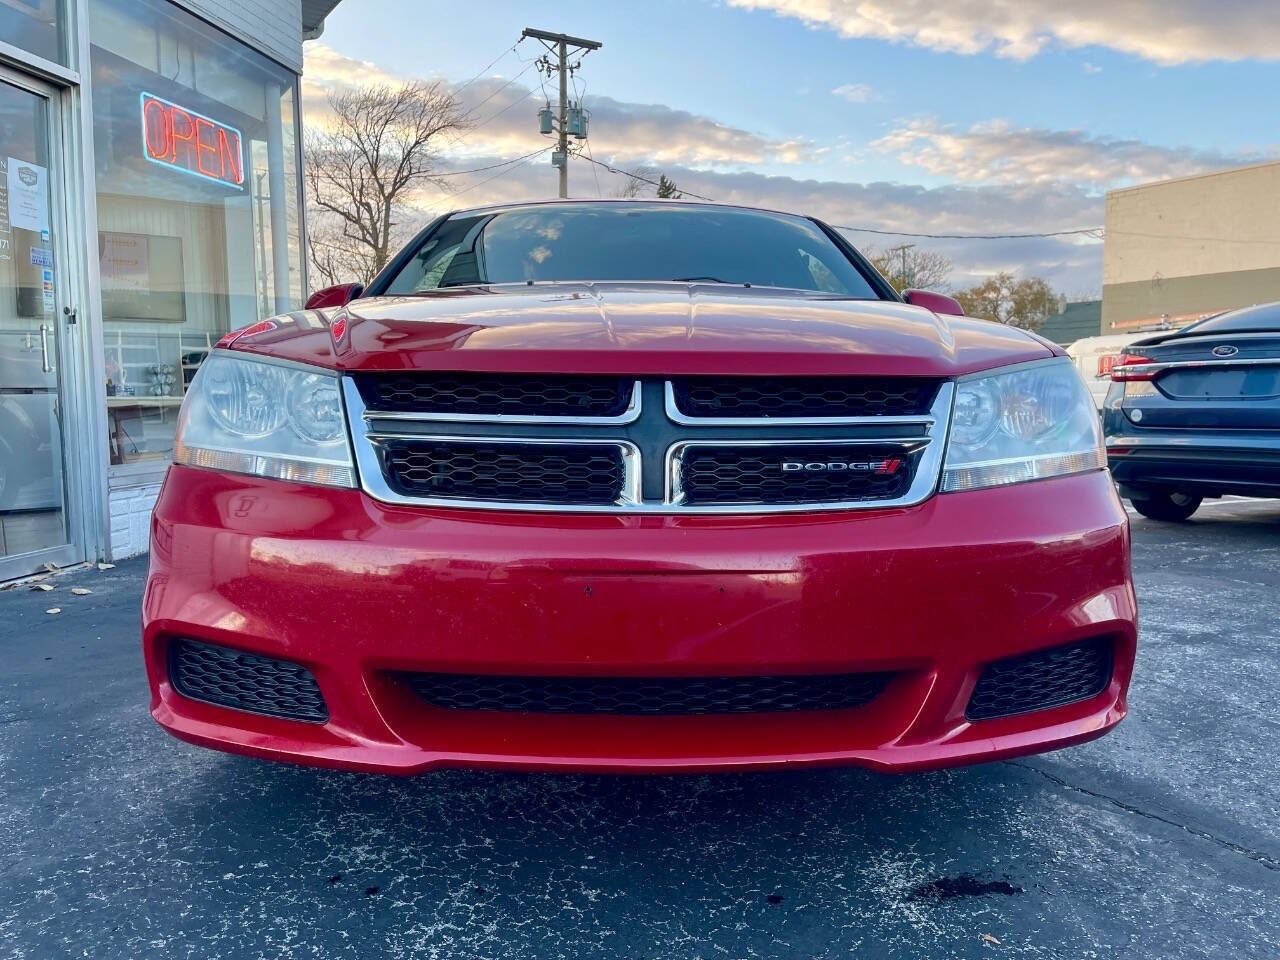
<point x="1024" y="303"/>
<point x="909" y="267"/>
<point x="363" y="165"/>
<point x="637" y="184"/>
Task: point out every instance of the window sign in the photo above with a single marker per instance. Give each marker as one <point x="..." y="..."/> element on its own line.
<point x="184" y="140"/>
<point x="6" y="235"/>
<point x="28" y="198"/>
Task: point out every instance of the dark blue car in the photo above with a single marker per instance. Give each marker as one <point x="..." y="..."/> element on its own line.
<point x="1195" y="413"/>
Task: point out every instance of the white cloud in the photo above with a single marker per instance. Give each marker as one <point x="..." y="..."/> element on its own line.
<point x="1164" y="31"/>
<point x="995" y="152"/>
<point x="1073" y="264"/>
<point x="1007" y="180"/>
<point x="505" y="113"/>
<point x="1091" y="67"/>
<point x="856" y="92"/>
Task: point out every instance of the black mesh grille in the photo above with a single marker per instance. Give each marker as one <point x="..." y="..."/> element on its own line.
<point x="245" y="681"/>
<point x="804" y="396"/>
<point x="794" y="474"/>
<point x="650" y="696"/>
<point x="561" y="473"/>
<point x="1037" y="681"/>
<point x="485" y="394"/>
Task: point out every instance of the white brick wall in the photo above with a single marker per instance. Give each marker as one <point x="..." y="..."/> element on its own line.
<point x="272" y="26"/>
<point x="131" y="520"/>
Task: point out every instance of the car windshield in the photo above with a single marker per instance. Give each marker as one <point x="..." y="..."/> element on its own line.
<point x="632" y="241"/>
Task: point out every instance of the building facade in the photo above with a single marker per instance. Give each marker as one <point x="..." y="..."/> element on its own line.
<point x="1183" y="249"/>
<point x="150" y="201"/>
<point x="1074" y="320"/>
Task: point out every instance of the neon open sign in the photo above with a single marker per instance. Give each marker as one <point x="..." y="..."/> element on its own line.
<point x="184" y="140"/>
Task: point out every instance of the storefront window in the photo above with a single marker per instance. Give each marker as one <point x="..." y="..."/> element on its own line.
<point x="196" y="149"/>
<point x="36" y="26"/>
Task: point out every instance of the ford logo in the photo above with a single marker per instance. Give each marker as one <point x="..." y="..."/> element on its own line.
<point x="1226" y="350"/>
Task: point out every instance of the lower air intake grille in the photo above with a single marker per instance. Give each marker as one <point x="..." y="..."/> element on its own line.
<point x="245" y="681"/>
<point x="486" y="394"/>
<point x="648" y="696"/>
<point x="561" y="473"/>
<point x="810" y="397"/>
<point x="781" y="473"/>
<point x="1038" y="681"/>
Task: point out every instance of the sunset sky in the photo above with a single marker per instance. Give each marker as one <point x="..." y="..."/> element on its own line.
<point x="977" y="116"/>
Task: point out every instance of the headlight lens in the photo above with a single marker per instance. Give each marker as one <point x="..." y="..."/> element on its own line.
<point x="250" y="416"/>
<point x="1026" y="424"/>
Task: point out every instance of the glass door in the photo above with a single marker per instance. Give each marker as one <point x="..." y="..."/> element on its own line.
<point x="34" y="527"/>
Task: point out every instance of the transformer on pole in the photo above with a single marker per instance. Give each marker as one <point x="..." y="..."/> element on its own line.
<point x="566" y="121"/>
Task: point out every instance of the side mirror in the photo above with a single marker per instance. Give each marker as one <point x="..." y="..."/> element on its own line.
<point x="336" y="296"/>
<point x="937" y="302"/>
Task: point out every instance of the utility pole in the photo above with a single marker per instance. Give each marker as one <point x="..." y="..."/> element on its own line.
<point x="902" y="249"/>
<point x="559" y="45"/>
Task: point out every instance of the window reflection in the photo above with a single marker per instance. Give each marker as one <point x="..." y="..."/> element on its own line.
<point x="195" y="145"/>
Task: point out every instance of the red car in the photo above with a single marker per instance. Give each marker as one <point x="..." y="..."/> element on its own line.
<point x="636" y="486"/>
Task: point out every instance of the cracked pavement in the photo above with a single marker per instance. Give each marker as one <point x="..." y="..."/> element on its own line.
<point x="1159" y="840"/>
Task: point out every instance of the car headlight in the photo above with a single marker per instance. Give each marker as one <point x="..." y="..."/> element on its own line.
<point x="247" y="415"/>
<point x="1026" y="424"/>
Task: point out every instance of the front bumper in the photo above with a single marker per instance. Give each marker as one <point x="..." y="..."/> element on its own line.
<point x="358" y="591"/>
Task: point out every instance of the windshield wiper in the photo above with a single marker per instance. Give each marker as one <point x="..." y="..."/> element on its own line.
<point x="731" y="283"/>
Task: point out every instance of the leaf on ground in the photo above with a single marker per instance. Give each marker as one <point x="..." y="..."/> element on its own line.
<point x="81" y="591"/>
<point x="988" y="938"/>
<point x="51" y="567"/>
<point x="42" y="586"/>
<point x="106" y="566"/>
<point x="54" y="610"/>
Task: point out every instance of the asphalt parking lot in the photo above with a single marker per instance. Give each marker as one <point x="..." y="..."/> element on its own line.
<point x="1160" y="840"/>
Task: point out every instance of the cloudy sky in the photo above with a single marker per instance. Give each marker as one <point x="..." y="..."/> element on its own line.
<point x="973" y="116"/>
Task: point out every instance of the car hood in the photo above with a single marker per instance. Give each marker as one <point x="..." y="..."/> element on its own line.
<point x="640" y="329"/>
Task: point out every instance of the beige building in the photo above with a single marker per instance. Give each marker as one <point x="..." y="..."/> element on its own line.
<point x="1182" y="249"/>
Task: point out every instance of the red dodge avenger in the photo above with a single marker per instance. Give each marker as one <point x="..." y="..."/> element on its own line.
<point x="636" y="486"/>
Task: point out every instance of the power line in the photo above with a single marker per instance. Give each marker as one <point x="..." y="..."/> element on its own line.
<point x="510" y="49"/>
<point x="513" y="103"/>
<point x="586" y="145"/>
<point x="492" y="166"/>
<point x="1095" y="232"/>
<point x="636" y="176"/>
<point x="507" y="169"/>
<point x="581" y="94"/>
<point x="501" y="88"/>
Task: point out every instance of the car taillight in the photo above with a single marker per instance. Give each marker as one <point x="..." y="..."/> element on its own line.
<point x="1132" y="366"/>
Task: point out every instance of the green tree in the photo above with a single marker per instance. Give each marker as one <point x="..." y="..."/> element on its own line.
<point x="1024" y="303"/>
<point x="667" y="188"/>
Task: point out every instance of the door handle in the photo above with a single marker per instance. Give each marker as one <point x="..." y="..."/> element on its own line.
<point x="45" y="365"/>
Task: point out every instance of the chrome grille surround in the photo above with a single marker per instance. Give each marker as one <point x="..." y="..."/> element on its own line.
<point x="629" y="415"/>
<point x="677" y="415"/>
<point x="678" y="453"/>
<point x="923" y="437"/>
<point x="630" y="457"/>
